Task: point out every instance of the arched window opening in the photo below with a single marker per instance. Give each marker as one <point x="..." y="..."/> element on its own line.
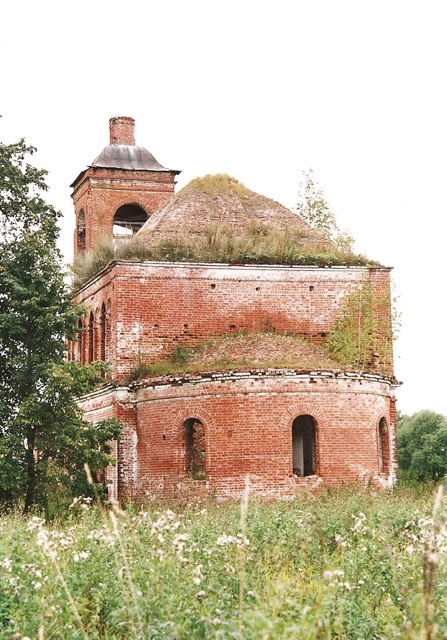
<point x="91" y="338"/>
<point x="102" y="333"/>
<point x="81" y="342"/>
<point x="303" y="446"/>
<point x="195" y="453"/>
<point x="81" y="231"/>
<point x="384" y="447"/>
<point x="128" y="220"/>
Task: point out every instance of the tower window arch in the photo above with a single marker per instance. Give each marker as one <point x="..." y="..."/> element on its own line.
<point x="304" y="445"/>
<point x="195" y="451"/>
<point x="128" y="219"/>
<point x="81" y="231"/>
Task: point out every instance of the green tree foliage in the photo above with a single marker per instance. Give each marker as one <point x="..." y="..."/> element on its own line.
<point x="313" y="208"/>
<point x="422" y="445"/>
<point x="43" y="439"/>
<point x="361" y="336"/>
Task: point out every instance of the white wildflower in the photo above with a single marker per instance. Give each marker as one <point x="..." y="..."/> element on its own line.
<point x="6" y="563"/>
<point x="239" y="540"/>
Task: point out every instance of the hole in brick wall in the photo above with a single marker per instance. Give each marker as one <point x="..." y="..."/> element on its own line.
<point x="232" y="326"/>
<point x="185" y="326"/>
<point x="258" y="288"/>
<point x="323" y="334"/>
<point x="164" y="436"/>
<point x="311" y="288"/>
<point x="156" y="326"/>
<point x="213" y="286"/>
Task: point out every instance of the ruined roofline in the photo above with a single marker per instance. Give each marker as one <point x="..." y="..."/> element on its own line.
<point x="235" y="375"/>
<point x="261" y="372"/>
<point x="226" y="265"/>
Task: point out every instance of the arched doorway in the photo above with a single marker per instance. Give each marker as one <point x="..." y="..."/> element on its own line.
<point x="195" y="451"/>
<point x="304" y="445"/>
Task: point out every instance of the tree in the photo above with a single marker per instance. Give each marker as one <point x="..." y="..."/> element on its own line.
<point x="422" y="445"/>
<point x="43" y="439"/>
<point x="313" y="208"/>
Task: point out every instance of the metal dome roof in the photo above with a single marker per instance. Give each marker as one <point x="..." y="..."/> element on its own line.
<point x="127" y="157"/>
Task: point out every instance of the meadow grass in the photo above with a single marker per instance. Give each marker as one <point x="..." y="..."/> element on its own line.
<point x="341" y="563"/>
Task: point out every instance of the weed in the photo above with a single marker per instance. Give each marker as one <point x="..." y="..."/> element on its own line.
<point x="257" y="244"/>
<point x="342" y="563"/>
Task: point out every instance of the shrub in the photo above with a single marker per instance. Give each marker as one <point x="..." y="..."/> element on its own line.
<point x="422" y="442"/>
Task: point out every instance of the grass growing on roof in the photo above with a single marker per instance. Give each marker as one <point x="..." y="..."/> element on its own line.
<point x="263" y="349"/>
<point x="259" y="244"/>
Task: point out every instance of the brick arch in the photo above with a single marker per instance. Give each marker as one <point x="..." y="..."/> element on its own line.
<point x="131" y="216"/>
<point x="208" y="422"/>
<point x="194" y="412"/>
<point x="302" y="409"/>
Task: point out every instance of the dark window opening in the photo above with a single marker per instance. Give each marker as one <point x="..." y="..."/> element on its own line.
<point x="128" y="220"/>
<point x="303" y="446"/>
<point x="91" y="338"/>
<point x="195" y="453"/>
<point x="81" y="231"/>
<point x="102" y="334"/>
<point x="81" y="342"/>
<point x="384" y="447"/>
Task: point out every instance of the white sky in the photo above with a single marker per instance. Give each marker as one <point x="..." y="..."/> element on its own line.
<point x="261" y="90"/>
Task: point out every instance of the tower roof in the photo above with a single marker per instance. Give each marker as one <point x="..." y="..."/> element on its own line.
<point x="122" y="153"/>
<point x="127" y="157"/>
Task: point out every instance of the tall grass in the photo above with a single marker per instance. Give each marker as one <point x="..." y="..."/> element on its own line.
<point x="346" y="563"/>
<point x="258" y="244"/>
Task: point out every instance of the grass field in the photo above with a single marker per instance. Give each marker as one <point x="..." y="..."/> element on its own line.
<point x="347" y="563"/>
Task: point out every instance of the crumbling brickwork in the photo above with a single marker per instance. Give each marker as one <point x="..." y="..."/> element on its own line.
<point x="247" y="422"/>
<point x="152" y="307"/>
<point x="205" y="432"/>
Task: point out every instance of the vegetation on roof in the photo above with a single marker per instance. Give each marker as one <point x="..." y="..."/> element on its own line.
<point x="220" y="183"/>
<point x="238" y="351"/>
<point x="259" y="244"/>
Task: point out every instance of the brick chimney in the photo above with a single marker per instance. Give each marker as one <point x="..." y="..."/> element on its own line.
<point x="122" y="130"/>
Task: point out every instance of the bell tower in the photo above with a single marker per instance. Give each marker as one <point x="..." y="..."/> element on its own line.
<point x="120" y="190"/>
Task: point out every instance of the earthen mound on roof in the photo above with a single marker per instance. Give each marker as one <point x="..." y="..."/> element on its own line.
<point x="262" y="350"/>
<point x="219" y="201"/>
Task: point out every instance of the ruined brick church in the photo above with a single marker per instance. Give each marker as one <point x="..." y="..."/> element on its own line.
<point x="300" y="420"/>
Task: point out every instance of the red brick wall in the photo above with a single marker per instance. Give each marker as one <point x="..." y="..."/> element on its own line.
<point x="151" y="307"/>
<point x="100" y="192"/>
<point x="242" y="438"/>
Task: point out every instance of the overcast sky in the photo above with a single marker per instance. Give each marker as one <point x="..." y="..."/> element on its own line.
<point x="262" y="91"/>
